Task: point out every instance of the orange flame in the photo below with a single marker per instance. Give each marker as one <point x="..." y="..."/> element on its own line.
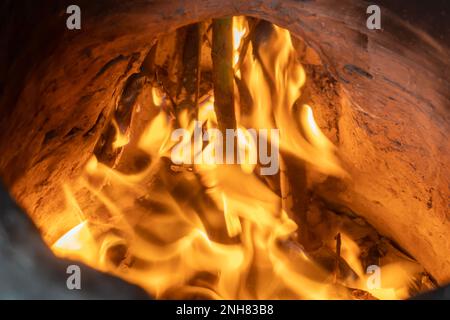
<point x="215" y="231"/>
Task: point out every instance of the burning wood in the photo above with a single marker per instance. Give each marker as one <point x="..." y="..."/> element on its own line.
<point x="179" y="227"/>
<point x="182" y="223"/>
<point x="223" y="75"/>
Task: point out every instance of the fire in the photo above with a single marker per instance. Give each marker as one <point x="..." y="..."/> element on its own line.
<point x="74" y="240"/>
<point x="239" y="31"/>
<point x="214" y="230"/>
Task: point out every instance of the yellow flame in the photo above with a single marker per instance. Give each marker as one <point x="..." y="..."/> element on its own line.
<point x="239" y="31"/>
<point x="78" y="243"/>
<point x="121" y="139"/>
<point x="157" y="96"/>
<point x="232" y="221"/>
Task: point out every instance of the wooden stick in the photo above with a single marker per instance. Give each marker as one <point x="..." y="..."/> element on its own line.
<point x="223" y="74"/>
<point x="338" y="258"/>
<point x="188" y="92"/>
<point x="104" y="150"/>
<point x="293" y="173"/>
<point x="285" y="189"/>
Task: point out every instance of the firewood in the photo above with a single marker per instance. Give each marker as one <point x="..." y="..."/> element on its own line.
<point x="188" y="91"/>
<point x="223" y="75"/>
<point x="166" y="91"/>
<point x="298" y="199"/>
<point x="168" y="64"/>
<point x="105" y="150"/>
<point x="338" y="256"/>
<point x="148" y="67"/>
